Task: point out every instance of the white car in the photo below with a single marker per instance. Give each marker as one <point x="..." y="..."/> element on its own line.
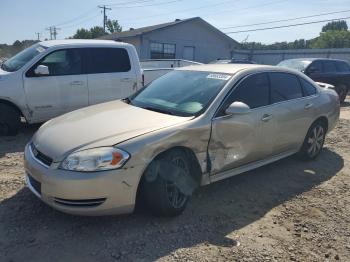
<point x="55" y="77"/>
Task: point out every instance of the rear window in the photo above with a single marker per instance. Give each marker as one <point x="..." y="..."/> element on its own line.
<point x="308" y="88"/>
<point x="284" y="87"/>
<point x="108" y="60"/>
<point x="342" y="66"/>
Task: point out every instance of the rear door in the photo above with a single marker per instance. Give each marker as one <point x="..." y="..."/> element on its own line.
<point x="240" y="139"/>
<point x="110" y="74"/>
<point x="64" y="89"/>
<point x="291" y="111"/>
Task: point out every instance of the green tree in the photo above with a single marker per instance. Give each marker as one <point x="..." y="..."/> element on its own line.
<point x="335" y="25"/>
<point x="94" y="32"/>
<point x="332" y="39"/>
<point x="82" y="34"/>
<point x="97" y="31"/>
<point x="113" y="26"/>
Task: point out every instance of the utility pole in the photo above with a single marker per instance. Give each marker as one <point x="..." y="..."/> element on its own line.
<point x="104" y="15"/>
<point x="53" y="32"/>
<point x="38" y="36"/>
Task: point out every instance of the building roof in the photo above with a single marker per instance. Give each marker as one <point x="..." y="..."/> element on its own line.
<point x="148" y="29"/>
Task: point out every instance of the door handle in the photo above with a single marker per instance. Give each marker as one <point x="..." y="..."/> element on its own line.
<point x="266" y="118"/>
<point x="308" y="106"/>
<point x="126" y="79"/>
<point x="76" y="83"/>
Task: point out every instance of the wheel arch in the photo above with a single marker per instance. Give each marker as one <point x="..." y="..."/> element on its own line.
<point x="323" y="120"/>
<point x="13" y="105"/>
<point x="189" y="153"/>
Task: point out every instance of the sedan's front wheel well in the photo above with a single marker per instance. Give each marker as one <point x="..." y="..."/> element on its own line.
<point x="196" y="171"/>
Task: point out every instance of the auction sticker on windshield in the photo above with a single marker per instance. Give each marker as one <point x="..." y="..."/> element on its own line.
<point x="219" y="76"/>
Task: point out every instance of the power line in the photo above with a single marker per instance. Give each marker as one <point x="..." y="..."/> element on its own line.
<point x="284" y="26"/>
<point x="104" y="15"/>
<point x="184" y="10"/>
<point x="76" y="18"/>
<point x="155" y="4"/>
<point x="286" y="20"/>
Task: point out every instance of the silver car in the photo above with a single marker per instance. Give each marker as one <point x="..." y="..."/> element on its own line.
<point x="191" y="127"/>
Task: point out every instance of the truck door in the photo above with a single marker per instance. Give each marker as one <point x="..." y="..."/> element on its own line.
<point x="111" y="75"/>
<point x="62" y="88"/>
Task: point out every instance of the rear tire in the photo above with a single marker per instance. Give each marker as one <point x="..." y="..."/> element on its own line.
<point x="10" y="120"/>
<point x="313" y="142"/>
<point x="162" y="196"/>
<point x="342" y="91"/>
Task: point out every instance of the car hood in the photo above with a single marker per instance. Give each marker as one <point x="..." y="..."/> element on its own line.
<point x="105" y="124"/>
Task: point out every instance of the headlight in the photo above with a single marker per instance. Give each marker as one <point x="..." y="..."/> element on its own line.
<point x="96" y="159"/>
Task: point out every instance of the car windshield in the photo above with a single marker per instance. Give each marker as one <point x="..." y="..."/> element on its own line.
<point x="16" y="62"/>
<point x="299" y="65"/>
<point x="182" y="93"/>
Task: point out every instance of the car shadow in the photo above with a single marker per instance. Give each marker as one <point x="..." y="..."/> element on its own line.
<point x="14" y="144"/>
<point x="30" y="229"/>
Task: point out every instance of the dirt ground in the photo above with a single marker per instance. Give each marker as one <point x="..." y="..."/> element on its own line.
<point x="286" y="211"/>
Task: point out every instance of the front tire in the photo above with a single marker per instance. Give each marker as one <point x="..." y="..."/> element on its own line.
<point x="10" y="120"/>
<point x="163" y="196"/>
<point x="313" y="142"/>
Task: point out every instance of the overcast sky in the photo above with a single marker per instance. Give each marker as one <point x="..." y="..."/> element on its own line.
<point x="21" y="19"/>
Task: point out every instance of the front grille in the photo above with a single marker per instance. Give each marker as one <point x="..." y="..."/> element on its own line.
<point x="40" y="156"/>
<point x="80" y="203"/>
<point x="35" y="184"/>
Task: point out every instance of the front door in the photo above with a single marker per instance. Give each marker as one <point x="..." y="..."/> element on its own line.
<point x="237" y="140"/>
<point x="62" y="90"/>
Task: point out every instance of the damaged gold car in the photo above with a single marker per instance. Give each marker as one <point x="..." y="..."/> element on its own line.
<point x="191" y="127"/>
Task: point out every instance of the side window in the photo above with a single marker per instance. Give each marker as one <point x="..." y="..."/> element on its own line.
<point x="253" y="91"/>
<point x="315" y="67"/>
<point x="308" y="88"/>
<point x="329" y="67"/>
<point x="342" y="67"/>
<point x="61" y="62"/>
<point x="108" y="60"/>
<point x="284" y="87"/>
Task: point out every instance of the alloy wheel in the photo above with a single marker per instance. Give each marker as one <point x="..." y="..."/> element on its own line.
<point x="315" y="140"/>
<point x="176" y="198"/>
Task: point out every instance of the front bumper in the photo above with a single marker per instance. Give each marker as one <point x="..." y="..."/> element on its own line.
<point x="80" y="193"/>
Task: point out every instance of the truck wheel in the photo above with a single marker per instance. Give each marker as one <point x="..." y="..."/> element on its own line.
<point x="10" y="120"/>
<point x="313" y="142"/>
<point x="162" y="196"/>
<point x="342" y="92"/>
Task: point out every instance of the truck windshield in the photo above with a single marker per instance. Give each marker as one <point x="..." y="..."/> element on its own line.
<point x="16" y="62"/>
<point x="182" y="93"/>
<point x="299" y="65"/>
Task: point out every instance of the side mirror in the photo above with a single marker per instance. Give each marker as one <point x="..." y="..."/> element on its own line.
<point x="42" y="70"/>
<point x="237" y="108"/>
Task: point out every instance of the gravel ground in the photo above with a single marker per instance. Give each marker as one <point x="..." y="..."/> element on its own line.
<point x="286" y="211"/>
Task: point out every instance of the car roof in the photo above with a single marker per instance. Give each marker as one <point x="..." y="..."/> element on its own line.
<point x="311" y="59"/>
<point x="229" y="68"/>
<point x="81" y="42"/>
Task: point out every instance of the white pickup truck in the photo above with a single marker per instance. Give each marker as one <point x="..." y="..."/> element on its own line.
<point x="54" y="77"/>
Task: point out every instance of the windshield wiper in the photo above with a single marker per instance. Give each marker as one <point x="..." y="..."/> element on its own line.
<point x="159" y="110"/>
